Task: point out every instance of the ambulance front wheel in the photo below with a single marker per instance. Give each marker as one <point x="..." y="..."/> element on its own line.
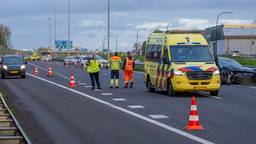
<point x="149" y="85"/>
<point x="170" y="90"/>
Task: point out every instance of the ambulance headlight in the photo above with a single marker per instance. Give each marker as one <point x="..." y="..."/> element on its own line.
<point x="178" y="73"/>
<point x="5" y="67"/>
<point x="22" y="67"/>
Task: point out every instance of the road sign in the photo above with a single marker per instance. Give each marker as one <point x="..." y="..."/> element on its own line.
<point x="63" y="45"/>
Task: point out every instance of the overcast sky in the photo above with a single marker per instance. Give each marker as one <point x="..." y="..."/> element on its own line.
<point x="28" y="19"/>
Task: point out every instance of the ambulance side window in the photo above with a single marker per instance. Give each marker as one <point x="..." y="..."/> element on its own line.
<point x="149" y="52"/>
<point x="165" y="57"/>
<point x="165" y="52"/>
<point x="157" y="50"/>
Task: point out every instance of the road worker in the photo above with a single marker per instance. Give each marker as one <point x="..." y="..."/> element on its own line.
<point x="114" y="67"/>
<point x="93" y="68"/>
<point x="128" y="67"/>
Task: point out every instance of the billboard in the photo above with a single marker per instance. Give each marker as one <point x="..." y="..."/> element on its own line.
<point x="63" y="45"/>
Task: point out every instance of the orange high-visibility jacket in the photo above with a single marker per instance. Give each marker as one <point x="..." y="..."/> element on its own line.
<point x="128" y="64"/>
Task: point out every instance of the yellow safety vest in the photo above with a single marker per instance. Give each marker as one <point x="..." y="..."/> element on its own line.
<point x="93" y="66"/>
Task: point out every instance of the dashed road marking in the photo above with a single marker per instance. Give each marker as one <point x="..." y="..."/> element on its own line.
<point x="88" y="86"/>
<point x="106" y="94"/>
<point x="119" y="99"/>
<point x="136" y="106"/>
<point x="81" y="83"/>
<point x="253" y="87"/>
<point x="158" y="116"/>
<point x="141" y="117"/>
<point x="215" y="97"/>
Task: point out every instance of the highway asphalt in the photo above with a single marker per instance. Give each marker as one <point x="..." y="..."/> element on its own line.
<point x="129" y="116"/>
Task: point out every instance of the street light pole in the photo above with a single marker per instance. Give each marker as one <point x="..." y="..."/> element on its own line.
<point x="68" y="20"/>
<point x="216" y="36"/>
<point x="137" y="43"/>
<point x="49" y="19"/>
<point x="108" y="27"/>
<point x="137" y="40"/>
<point x="171" y="22"/>
<point x="117" y="39"/>
<point x="55" y="27"/>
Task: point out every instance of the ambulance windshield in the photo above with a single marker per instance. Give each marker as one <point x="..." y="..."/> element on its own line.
<point x="193" y="53"/>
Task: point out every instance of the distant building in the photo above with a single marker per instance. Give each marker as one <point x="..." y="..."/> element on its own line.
<point x="233" y="37"/>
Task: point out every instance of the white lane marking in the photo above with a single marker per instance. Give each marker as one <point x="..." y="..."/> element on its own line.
<point x="253" y="87"/>
<point x="152" y="121"/>
<point x="106" y="94"/>
<point x="158" y="116"/>
<point x="119" y="99"/>
<point x="136" y="106"/>
<point x="81" y="83"/>
<point x="215" y="97"/>
<point x="88" y="86"/>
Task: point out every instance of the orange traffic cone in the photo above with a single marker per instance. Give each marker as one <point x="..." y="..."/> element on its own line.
<point x="72" y="82"/>
<point x="50" y="73"/>
<point x="193" y="123"/>
<point x="36" y="71"/>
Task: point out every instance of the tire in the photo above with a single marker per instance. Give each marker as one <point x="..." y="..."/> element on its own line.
<point x="170" y="90"/>
<point x="2" y="76"/>
<point x="214" y="93"/>
<point x="149" y="85"/>
<point x="23" y="76"/>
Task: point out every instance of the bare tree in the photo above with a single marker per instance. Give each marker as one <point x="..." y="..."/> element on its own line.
<point x="5" y="42"/>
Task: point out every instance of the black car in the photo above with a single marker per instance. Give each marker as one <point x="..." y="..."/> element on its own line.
<point x="233" y="72"/>
<point x="13" y="65"/>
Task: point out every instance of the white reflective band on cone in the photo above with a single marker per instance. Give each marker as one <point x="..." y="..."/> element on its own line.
<point x="194" y="107"/>
<point x="193" y="118"/>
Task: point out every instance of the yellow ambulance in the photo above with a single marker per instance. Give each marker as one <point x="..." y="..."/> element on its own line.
<point x="180" y="62"/>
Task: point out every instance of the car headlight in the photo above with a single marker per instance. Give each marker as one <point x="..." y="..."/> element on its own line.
<point x="217" y="72"/>
<point x="179" y="73"/>
<point x="5" y="67"/>
<point x="22" y="67"/>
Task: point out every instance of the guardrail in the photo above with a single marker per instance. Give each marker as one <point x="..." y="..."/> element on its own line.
<point x="10" y="130"/>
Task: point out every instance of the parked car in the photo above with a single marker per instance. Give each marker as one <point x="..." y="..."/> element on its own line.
<point x="84" y="61"/>
<point x="236" y="53"/>
<point x="80" y="59"/>
<point x="68" y="60"/>
<point x="47" y="58"/>
<point x="12" y="65"/>
<point x="104" y="63"/>
<point x="233" y="72"/>
<point x="75" y="60"/>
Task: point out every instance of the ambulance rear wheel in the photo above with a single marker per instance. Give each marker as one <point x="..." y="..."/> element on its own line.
<point x="170" y="90"/>
<point x="149" y="85"/>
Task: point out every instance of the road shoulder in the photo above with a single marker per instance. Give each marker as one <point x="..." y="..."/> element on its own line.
<point x="25" y="117"/>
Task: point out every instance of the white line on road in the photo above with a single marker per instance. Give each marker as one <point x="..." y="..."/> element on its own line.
<point x="106" y="94"/>
<point x="158" y="116"/>
<point x="119" y="99"/>
<point x="215" y="97"/>
<point x="152" y="121"/>
<point x="88" y="86"/>
<point x="253" y="87"/>
<point x="81" y="83"/>
<point x="136" y="106"/>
